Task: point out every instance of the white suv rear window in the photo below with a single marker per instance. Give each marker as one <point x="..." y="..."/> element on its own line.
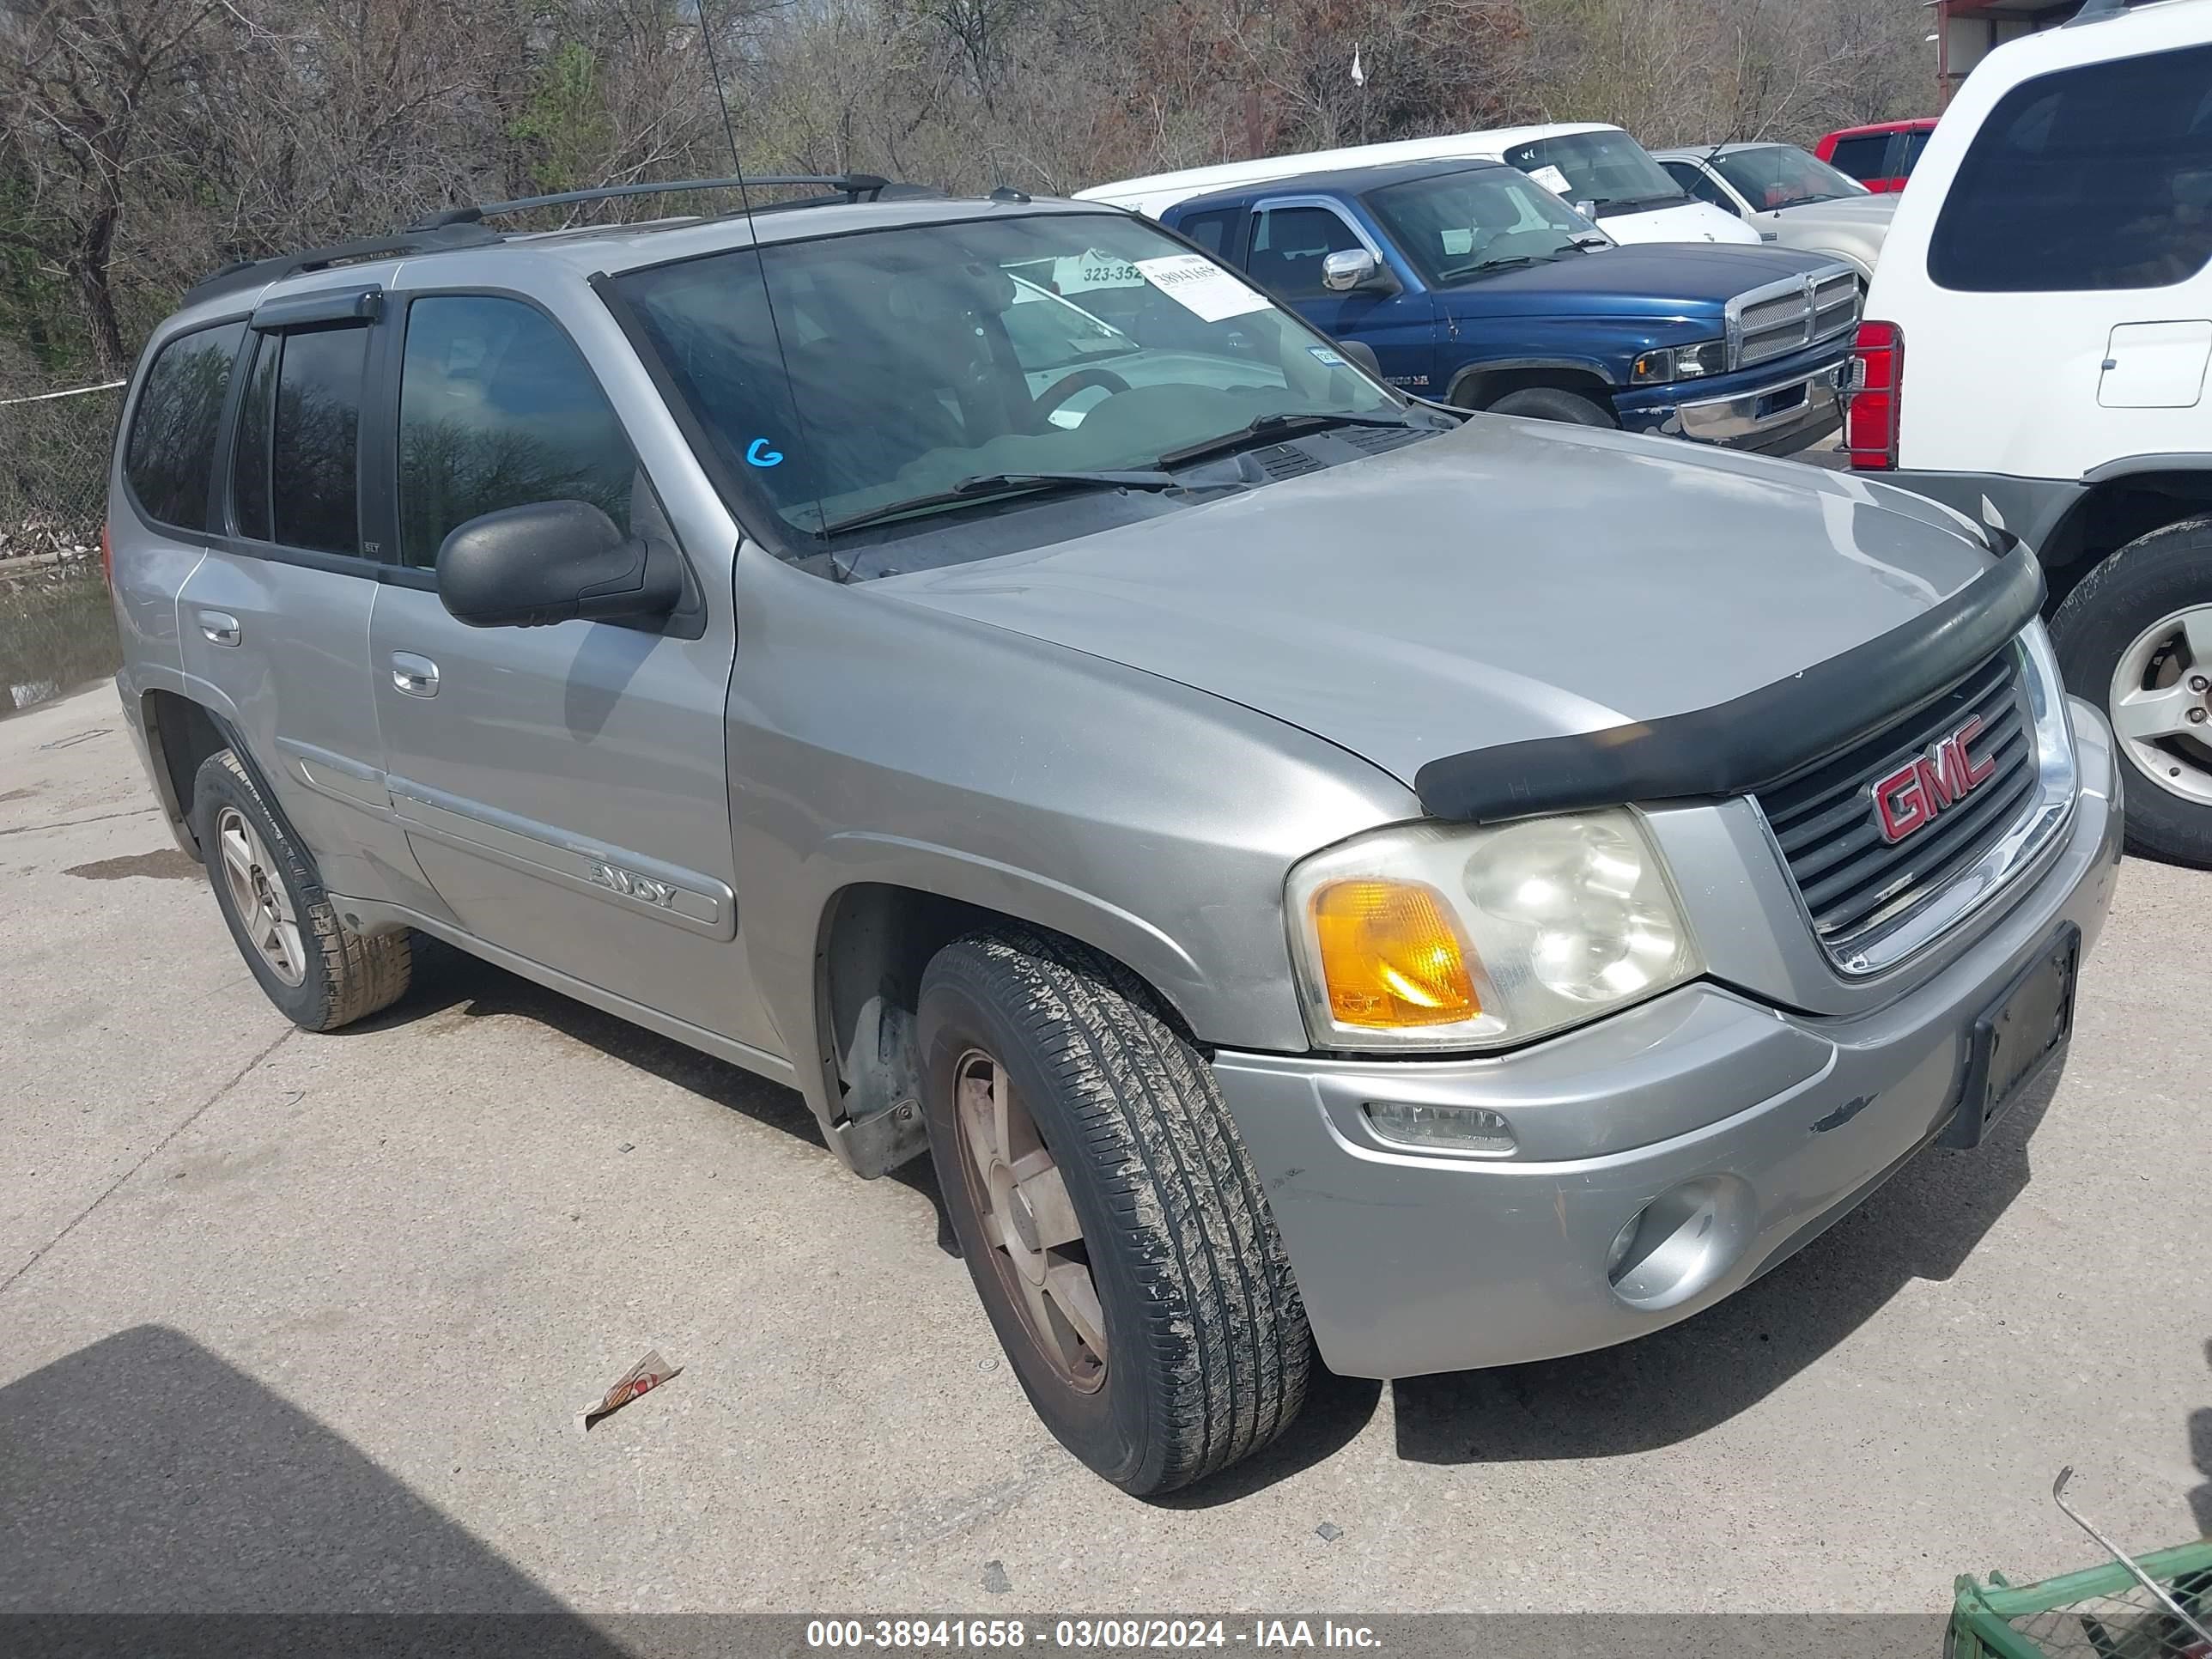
<point x="2099" y="177"/>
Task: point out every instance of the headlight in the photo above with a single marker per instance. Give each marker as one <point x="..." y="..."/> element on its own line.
<point x="1434" y="935"/>
<point x="1687" y="362"/>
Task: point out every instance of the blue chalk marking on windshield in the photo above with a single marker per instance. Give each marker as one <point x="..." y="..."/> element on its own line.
<point x="760" y="454"/>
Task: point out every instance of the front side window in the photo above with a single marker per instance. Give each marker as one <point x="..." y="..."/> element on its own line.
<point x="314" y="447"/>
<point x="169" y="456"/>
<point x="910" y="358"/>
<point x="1862" y="156"/>
<point x="497" y="408"/>
<point x="1774" y="176"/>
<point x="1289" y="246"/>
<point x="1457" y="226"/>
<point x="1608" y="169"/>
<point x="2099" y="177"/>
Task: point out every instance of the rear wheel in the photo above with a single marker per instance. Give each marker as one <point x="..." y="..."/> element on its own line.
<point x="319" y="972"/>
<point x="1551" y="403"/>
<point x="2134" y="636"/>
<point x="1110" y="1215"/>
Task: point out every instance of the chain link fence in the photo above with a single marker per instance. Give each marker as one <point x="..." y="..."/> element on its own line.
<point x="55" y="628"/>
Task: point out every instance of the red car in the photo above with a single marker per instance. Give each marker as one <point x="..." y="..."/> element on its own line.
<point x="1879" y="157"/>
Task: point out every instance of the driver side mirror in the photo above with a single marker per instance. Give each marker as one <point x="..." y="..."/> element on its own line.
<point x="531" y="567"/>
<point x="1355" y="269"/>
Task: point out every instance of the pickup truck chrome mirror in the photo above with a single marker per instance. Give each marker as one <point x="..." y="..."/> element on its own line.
<point x="1352" y="269"/>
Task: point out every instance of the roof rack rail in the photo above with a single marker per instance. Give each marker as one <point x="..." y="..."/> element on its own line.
<point x="853" y="186"/>
<point x="254" y="273"/>
<point x="2100" y="11"/>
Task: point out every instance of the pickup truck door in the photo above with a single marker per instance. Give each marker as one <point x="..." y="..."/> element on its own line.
<point x="1288" y="237"/>
<point x="564" y="788"/>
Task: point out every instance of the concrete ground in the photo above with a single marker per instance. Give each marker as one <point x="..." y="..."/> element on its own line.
<point x="298" y="1322"/>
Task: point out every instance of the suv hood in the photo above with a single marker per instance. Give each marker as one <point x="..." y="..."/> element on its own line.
<point x="1659" y="280"/>
<point x="1511" y="580"/>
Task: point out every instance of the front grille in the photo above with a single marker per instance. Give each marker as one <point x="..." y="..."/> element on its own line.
<point x="1788" y="317"/>
<point x="1854" y="882"/>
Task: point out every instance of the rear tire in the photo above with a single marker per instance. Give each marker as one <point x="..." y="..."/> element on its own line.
<point x="318" y="972"/>
<point x="2134" y="637"/>
<point x="1050" y="1074"/>
<point x="1551" y="403"/>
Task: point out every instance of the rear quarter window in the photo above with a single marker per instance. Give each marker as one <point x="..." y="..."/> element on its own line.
<point x="2099" y="177"/>
<point x="168" y="456"/>
<point x="1861" y="157"/>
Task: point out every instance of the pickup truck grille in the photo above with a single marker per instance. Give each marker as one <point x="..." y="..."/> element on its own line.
<point x="1854" y="881"/>
<point x="1787" y="316"/>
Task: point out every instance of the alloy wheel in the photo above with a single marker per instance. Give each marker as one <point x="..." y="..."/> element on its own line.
<point x="2161" y="704"/>
<point x="258" y="895"/>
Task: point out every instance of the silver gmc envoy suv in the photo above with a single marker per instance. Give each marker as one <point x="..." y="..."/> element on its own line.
<point x="1319" y="873"/>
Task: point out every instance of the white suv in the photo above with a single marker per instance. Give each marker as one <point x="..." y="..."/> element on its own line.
<point x="2036" y="353"/>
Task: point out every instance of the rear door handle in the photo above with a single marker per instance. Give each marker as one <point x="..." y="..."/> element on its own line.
<point x="414" y="676"/>
<point x="219" y="627"/>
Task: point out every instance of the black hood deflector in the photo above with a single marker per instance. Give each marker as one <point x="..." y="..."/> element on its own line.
<point x="1751" y="742"/>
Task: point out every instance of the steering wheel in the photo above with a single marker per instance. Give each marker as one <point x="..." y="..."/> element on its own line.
<point x="1081" y="380"/>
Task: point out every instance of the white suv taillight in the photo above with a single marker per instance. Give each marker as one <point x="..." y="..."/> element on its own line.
<point x="1877" y="387"/>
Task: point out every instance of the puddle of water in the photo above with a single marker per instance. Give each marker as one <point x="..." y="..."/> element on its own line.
<point x="54" y="637"/>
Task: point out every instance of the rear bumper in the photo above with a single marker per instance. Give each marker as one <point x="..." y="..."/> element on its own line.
<point x="1777" y="1123"/>
<point x="1782" y="409"/>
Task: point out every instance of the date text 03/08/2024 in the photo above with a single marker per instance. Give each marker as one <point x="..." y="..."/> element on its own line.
<point x="1087" y="1634"/>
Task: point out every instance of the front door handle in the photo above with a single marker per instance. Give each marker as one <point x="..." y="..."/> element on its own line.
<point x="414" y="677"/>
<point x="219" y="627"/>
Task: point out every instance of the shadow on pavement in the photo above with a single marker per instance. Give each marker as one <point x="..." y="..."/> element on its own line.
<point x="143" y="1474"/>
<point x="1678" y="1382"/>
<point x="2200" y="1454"/>
<point x="447" y="978"/>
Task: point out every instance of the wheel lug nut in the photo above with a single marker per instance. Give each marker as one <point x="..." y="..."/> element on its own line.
<point x="2198" y="683"/>
<point x="2197" y="717"/>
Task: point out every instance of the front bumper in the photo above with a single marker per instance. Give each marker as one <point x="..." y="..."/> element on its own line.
<point x="1774" y="410"/>
<point x="1412" y="1262"/>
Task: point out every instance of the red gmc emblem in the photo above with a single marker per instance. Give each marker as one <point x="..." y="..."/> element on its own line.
<point x="1909" y="798"/>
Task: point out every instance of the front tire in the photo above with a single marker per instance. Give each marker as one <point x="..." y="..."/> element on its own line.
<point x="2135" y="637"/>
<point x="1551" y="403"/>
<point x="1109" y="1212"/>
<point x="320" y="973"/>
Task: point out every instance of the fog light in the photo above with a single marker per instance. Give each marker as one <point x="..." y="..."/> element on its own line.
<point x="1446" y="1128"/>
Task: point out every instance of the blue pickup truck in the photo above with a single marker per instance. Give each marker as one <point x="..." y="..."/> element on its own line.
<point x="1474" y="285"/>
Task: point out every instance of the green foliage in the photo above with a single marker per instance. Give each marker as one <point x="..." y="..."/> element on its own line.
<point x="565" y="124"/>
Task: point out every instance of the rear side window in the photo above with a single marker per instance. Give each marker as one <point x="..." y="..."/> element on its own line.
<point x="295" y="464"/>
<point x="2099" y="177"/>
<point x="497" y="408"/>
<point x="1209" y="230"/>
<point x="1861" y="157"/>
<point x="169" y="457"/>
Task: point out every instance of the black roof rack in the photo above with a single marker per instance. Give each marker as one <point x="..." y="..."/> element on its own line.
<point x="848" y="186"/>
<point x="253" y="273"/>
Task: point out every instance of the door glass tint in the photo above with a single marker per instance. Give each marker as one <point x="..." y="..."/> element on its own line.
<point x="1289" y="245"/>
<point x="1699" y="184"/>
<point x="314" y="454"/>
<point x="1861" y="157"/>
<point x="1208" y="229"/>
<point x="249" y="459"/>
<point x="498" y="409"/>
<point x="169" y="457"/>
<point x="1915" y="141"/>
<point x="2099" y="177"/>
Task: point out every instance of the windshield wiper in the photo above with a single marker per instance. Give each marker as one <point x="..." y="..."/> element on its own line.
<point x="988" y="486"/>
<point x="1270" y="426"/>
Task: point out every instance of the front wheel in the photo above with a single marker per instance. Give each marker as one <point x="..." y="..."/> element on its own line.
<point x="1551" y="403"/>
<point x="1109" y="1212"/>
<point x="2135" y="637"/>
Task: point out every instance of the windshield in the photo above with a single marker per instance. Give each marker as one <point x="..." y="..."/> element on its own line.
<point x="1455" y="227"/>
<point x="1783" y="176"/>
<point x="1606" y="168"/>
<point x="925" y="355"/>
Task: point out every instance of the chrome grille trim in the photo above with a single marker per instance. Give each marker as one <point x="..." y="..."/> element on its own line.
<point x="1870" y="903"/>
<point x="1782" y="318"/>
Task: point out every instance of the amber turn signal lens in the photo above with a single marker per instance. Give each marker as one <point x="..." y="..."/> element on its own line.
<point x="1391" y="955"/>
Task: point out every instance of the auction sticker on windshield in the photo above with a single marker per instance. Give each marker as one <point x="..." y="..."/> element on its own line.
<point x="1552" y="179"/>
<point x="1200" y="287"/>
<point x="1095" y="269"/>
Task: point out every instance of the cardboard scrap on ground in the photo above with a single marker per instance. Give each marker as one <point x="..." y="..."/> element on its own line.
<point x="649" y="1374"/>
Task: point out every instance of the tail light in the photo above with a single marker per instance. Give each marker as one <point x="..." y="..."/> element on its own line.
<point x="1876" y="393"/>
<point x="107" y="559"/>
